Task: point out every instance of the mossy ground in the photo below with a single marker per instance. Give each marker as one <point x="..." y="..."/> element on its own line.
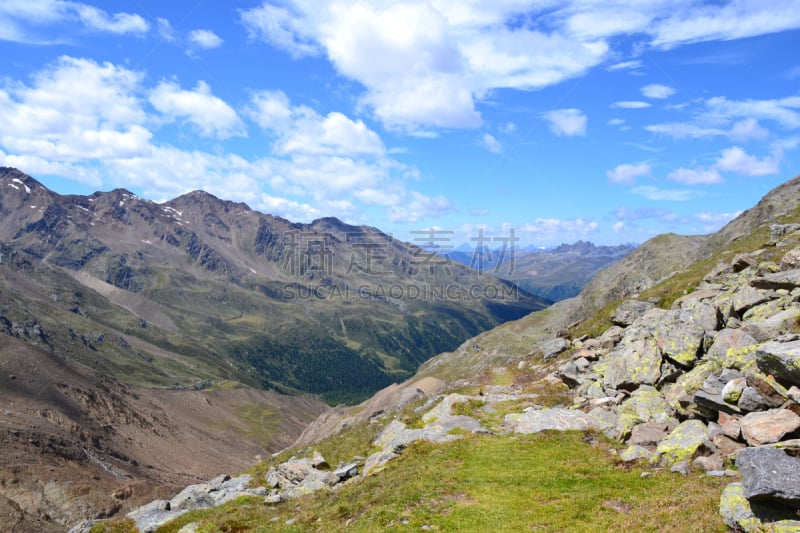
<point x="546" y="482"/>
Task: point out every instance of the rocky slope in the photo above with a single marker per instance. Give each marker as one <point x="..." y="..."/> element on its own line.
<point x="696" y="370"/>
<point x="711" y="382"/>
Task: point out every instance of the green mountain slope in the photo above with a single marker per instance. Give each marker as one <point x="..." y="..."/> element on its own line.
<point x="200" y="290"/>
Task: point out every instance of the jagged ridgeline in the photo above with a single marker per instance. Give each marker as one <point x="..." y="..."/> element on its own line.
<point x="198" y="291"/>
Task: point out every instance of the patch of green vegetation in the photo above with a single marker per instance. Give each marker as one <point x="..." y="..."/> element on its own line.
<point x="467" y="408"/>
<point x="548" y="482"/>
<point x="125" y="526"/>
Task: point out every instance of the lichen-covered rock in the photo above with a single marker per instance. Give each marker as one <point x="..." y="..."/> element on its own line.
<point x="791" y="259"/>
<point x="773" y="326"/>
<point x="632" y="453"/>
<point x="781" y="360"/>
<point x="768" y="426"/>
<point x="682" y="444"/>
<point x="749" y="297"/>
<point x="550" y="349"/>
<point x="679" y="337"/>
<point x="646" y="404"/>
<point x="632" y="363"/>
<point x="733" y="348"/>
<point x="680" y="395"/>
<point x="736" y="511"/>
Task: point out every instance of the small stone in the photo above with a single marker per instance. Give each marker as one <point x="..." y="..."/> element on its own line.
<point x="726" y="445"/>
<point x="729" y="425"/>
<point x="681" y="467"/>
<point x="751" y="400"/>
<point x="732" y="390"/>
<point x="708" y="463"/>
<point x="319" y="462"/>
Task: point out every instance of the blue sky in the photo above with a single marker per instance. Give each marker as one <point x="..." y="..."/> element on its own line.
<point x="564" y="120"/>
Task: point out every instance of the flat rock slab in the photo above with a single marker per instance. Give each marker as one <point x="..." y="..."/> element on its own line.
<point x="767" y="427"/>
<point x="770" y="474"/>
<point x="788" y="279"/>
<point x="557" y="418"/>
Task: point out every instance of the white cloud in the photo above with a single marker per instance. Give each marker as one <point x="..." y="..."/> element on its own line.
<point x="279" y="27"/>
<point x="627" y="174"/>
<point x="630" y="105"/>
<point x="734" y="20"/>
<point x="748" y="129"/>
<point x="616" y="122"/>
<point x="618" y="226"/>
<point x="658" y="194"/>
<point x="301" y="130"/>
<point x="714" y="221"/>
<point x="17" y="17"/>
<point x="98" y="19"/>
<point x="212" y="116"/>
<point x="696" y="176"/>
<point x="626" y="65"/>
<point x="75" y="109"/>
<point x="165" y="30"/>
<point x="88" y="122"/>
<point x="780" y="110"/>
<point x="490" y="143"/>
<point x="428" y="63"/>
<point x="566" y="122"/>
<point x="420" y="206"/>
<point x="682" y="130"/>
<point x="657" y="91"/>
<point x="735" y="159"/>
<point x="548" y="230"/>
<point x="205" y="39"/>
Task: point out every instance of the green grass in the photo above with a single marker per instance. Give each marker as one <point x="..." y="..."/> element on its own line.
<point x="546" y="482"/>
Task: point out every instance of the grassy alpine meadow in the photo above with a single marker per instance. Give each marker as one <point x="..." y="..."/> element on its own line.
<point x="546" y="482"/>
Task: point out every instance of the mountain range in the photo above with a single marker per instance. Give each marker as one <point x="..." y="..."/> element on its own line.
<point x="554" y="273"/>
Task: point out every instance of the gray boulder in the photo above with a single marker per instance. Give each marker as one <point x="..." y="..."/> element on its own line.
<point x="632" y="363"/>
<point x="773" y="326"/>
<point x="679" y="337"/>
<point x="629" y="311"/>
<point x="550" y="349"/>
<point x="770" y="474"/>
<point x="787" y="279"/>
<point x="781" y="360"/>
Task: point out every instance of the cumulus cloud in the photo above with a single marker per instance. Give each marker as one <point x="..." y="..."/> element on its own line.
<point x="419" y="207"/>
<point x="88" y="121"/>
<point x="205" y="39"/>
<point x="657" y="91"/>
<point x="696" y="176"/>
<point x="75" y="109"/>
<point x="627" y="174"/>
<point x="735" y="159"/>
<point x="618" y="226"/>
<point x="210" y="114"/>
<point x="566" y="122"/>
<point x="429" y="63"/>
